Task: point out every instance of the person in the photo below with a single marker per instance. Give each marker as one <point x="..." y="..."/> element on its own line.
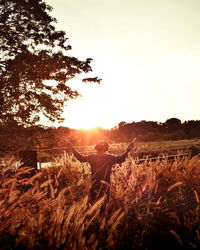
<point x="101" y="164"/>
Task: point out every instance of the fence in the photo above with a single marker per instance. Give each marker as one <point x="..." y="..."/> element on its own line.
<point x="30" y="157"/>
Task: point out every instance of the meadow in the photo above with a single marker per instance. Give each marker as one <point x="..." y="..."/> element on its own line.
<point x="153" y="205"/>
<point x="143" y="149"/>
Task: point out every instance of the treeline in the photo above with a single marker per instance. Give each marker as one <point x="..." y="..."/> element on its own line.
<point x="13" y="136"/>
<point x="172" y="129"/>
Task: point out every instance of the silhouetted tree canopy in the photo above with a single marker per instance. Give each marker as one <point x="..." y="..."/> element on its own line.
<point x="15" y="137"/>
<point x="32" y="53"/>
<point x="173" y="123"/>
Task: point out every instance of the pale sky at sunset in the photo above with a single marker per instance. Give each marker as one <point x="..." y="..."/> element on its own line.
<point x="146" y="51"/>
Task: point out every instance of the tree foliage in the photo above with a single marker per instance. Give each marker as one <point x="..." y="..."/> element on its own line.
<point x="173" y="123"/>
<point x="34" y="64"/>
<point x="15" y="137"/>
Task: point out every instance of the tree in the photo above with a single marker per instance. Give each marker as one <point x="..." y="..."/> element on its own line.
<point x="34" y="65"/>
<point x="173" y="124"/>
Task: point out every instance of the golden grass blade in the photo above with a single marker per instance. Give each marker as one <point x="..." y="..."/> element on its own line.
<point x="117" y="221"/>
<point x="96" y="205"/>
<point x="196" y="196"/>
<point x="174" y="185"/>
<point x="113" y="217"/>
<point x="177" y="237"/>
<point x="52" y="192"/>
<point x="46" y="183"/>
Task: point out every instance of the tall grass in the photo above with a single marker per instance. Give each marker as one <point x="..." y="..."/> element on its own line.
<point x="153" y="205"/>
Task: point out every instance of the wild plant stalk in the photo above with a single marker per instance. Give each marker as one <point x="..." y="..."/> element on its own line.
<point x="152" y="205"/>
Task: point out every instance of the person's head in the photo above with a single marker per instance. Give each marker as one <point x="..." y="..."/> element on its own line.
<point x="102" y="146"/>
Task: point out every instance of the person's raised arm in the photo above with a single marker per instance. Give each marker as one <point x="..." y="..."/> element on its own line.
<point x="79" y="156"/>
<point x="122" y="158"/>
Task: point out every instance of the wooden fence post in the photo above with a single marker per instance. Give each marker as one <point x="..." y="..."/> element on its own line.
<point x="29" y="158"/>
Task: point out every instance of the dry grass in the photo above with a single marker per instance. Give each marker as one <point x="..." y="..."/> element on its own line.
<point x="153" y="205"/>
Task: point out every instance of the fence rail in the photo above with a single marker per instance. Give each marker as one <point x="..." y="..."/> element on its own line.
<point x="165" y="157"/>
<point x="30" y="157"/>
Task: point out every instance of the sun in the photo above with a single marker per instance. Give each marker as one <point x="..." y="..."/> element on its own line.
<point x="87" y="113"/>
<point x="100" y="105"/>
<point x="86" y="121"/>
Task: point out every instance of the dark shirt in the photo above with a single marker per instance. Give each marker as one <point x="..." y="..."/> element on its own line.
<point x="100" y="164"/>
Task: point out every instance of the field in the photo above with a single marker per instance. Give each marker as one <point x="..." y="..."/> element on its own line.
<point x="153" y="205"/>
<point x="146" y="148"/>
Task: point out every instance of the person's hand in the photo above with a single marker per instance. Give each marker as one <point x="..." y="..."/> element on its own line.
<point x="131" y="145"/>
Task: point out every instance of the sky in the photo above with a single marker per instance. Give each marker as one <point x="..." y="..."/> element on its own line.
<point x="147" y="53"/>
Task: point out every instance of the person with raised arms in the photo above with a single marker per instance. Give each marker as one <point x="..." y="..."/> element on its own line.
<point x="101" y="164"/>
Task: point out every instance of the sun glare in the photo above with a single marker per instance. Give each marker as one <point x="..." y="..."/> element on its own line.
<point x="94" y="108"/>
<point x="88" y="112"/>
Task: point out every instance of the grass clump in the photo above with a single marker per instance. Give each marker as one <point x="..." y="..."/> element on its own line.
<point x="153" y="205"/>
